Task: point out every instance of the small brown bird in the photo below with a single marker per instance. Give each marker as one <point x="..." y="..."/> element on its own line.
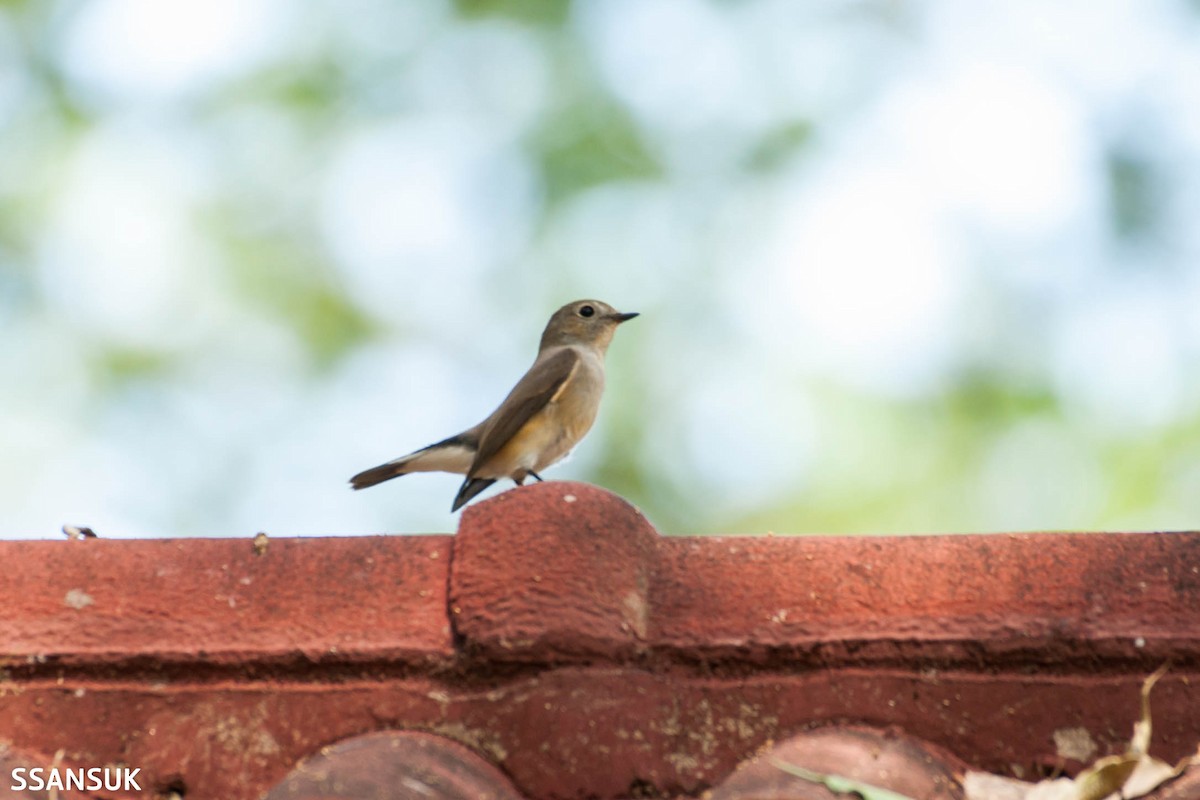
<point x="544" y="416"/>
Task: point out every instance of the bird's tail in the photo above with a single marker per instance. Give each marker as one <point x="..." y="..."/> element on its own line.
<point x="374" y="475"/>
<point x="449" y="455"/>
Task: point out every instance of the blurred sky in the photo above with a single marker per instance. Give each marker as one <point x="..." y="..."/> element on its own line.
<point x="902" y="266"/>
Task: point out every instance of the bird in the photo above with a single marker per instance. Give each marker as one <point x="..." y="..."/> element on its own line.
<point x="77" y="532"/>
<point x="545" y="415"/>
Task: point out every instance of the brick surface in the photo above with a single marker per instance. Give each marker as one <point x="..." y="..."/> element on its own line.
<point x="560" y="639"/>
<point x="387" y="766"/>
<point x="883" y="759"/>
<point x="959" y="600"/>
<point x="215" y="602"/>
<point x="557" y="571"/>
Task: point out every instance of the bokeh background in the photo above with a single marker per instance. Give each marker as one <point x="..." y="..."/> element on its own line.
<point x="923" y="266"/>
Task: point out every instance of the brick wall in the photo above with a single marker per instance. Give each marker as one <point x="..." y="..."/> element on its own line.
<point x="559" y="647"/>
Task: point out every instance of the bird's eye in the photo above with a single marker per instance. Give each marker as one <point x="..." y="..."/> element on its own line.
<point x="586" y="311"/>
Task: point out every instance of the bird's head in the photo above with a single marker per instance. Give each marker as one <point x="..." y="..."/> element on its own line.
<point x="584" y="322"/>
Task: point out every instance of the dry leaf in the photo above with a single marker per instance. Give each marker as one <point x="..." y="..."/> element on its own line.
<point x="1130" y="775"/>
<point x="1105" y="777"/>
<point x="1109" y="775"/>
<point x="1149" y="775"/>
<point x="1053" y="789"/>
<point x="986" y="786"/>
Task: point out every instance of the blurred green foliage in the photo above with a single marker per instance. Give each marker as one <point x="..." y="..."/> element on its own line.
<point x="1135" y="195"/>
<point x="540" y="12"/>
<point x="590" y="143"/>
<point x="883" y="463"/>
<point x="779" y="146"/>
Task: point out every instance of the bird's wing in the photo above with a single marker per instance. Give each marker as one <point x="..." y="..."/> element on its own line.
<point x="545" y="379"/>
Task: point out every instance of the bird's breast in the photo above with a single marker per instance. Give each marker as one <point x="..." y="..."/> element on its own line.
<point x="570" y="417"/>
<point x="556" y="429"/>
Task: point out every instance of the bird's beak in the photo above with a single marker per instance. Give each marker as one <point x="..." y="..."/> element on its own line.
<point x="619" y="318"/>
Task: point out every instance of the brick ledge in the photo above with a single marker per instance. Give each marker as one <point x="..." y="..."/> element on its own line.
<point x="558" y="618"/>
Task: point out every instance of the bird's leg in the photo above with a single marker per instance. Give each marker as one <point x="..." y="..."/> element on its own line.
<point x="534" y="474"/>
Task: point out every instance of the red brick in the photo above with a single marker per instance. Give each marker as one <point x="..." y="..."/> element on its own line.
<point x="557" y="571"/>
<point x="215" y="602"/>
<point x="958" y="600"/>
<point x="590" y="657"/>
<point x="385" y="766"/>
<point x="884" y="759"/>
